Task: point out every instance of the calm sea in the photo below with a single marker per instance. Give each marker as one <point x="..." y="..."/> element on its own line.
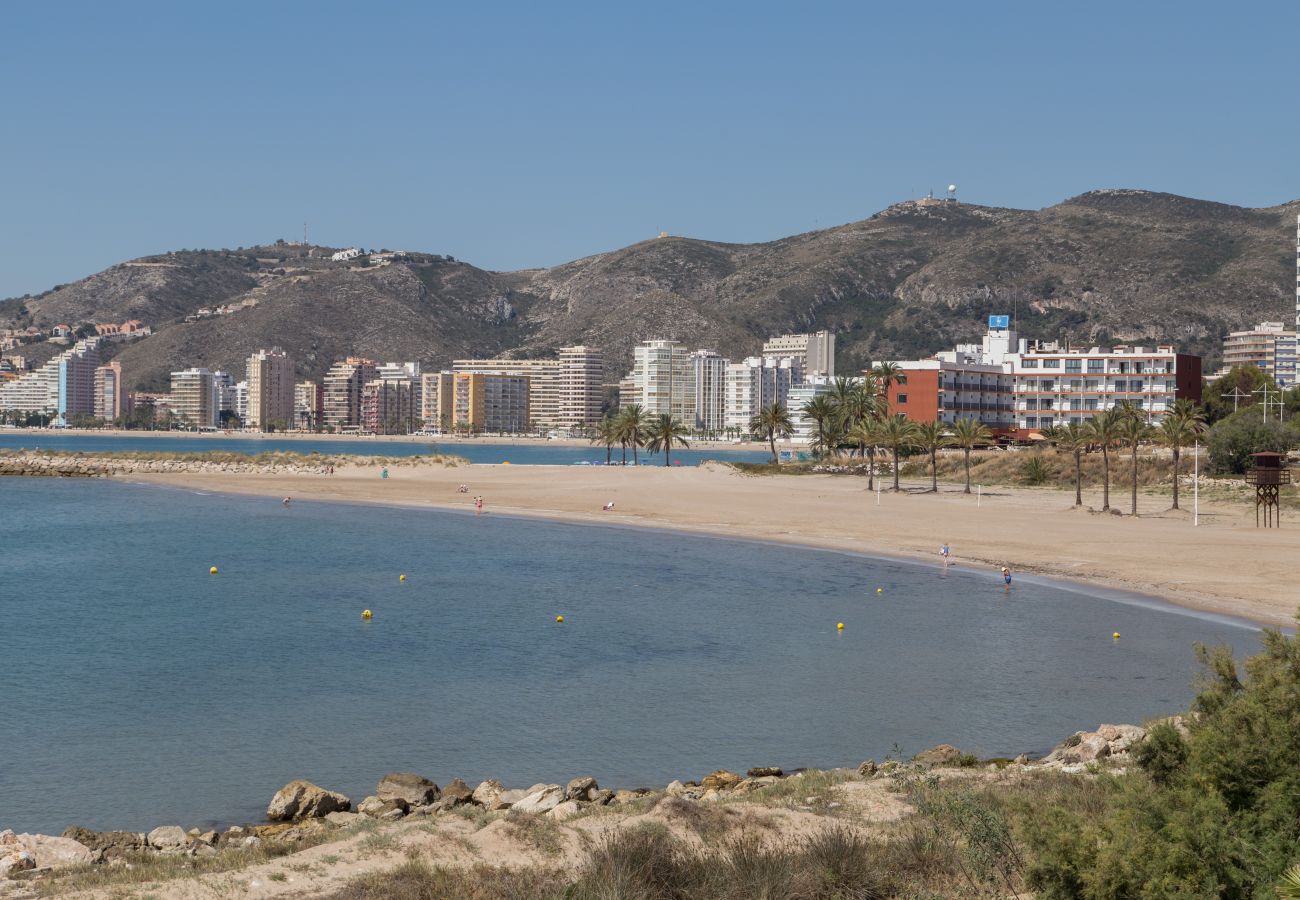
<point x="541" y="453"/>
<point x="139" y="690"/>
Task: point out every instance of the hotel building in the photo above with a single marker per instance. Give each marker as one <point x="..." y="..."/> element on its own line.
<point x="564" y="393"/>
<point x="487" y="402"/>
<point x="1268" y="346"/>
<point x="110" y="392"/>
<point x="390" y="406"/>
<point x="270" y="391"/>
<point x="797" y="398"/>
<point x="341" y="405"/>
<point x="308" y="404"/>
<point x="192" y="398"/>
<point x="757" y="382"/>
<point x="815" y="352"/>
<point x="709" y="373"/>
<point x="63" y="387"/>
<point x="436" y="400"/>
<point x="662" y="380"/>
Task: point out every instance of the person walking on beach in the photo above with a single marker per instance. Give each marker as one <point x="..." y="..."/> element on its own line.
<point x="478" y="506"/>
<point x="943" y="551"/>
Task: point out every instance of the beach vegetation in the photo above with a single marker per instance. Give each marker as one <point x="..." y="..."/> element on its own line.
<point x="1104" y="431"/>
<point x="1034" y="470"/>
<point x="1181" y="427"/>
<point x="772" y="421"/>
<point x="929" y="437"/>
<point x="896" y="434"/>
<point x="827" y="424"/>
<point x="630" y="425"/>
<point x="606" y="434"/>
<point x="1232" y="440"/>
<point x="1133" y="431"/>
<point x="1074" y="440"/>
<point x="967" y="434"/>
<point x="662" y="432"/>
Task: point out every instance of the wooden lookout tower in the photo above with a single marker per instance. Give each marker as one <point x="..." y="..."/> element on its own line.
<point x="1268" y="475"/>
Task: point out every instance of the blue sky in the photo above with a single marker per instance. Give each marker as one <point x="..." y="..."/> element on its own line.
<point x="525" y="134"/>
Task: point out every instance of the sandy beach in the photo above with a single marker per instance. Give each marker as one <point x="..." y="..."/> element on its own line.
<point x="1224" y="566"/>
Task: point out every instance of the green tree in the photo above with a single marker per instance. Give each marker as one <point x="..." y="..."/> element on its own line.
<point x="887" y="374"/>
<point x="1133" y="430"/>
<point x="1073" y="439"/>
<point x="1231" y="441"/>
<point x="969" y="433"/>
<point x="823" y="410"/>
<point x="1181" y="427"/>
<point x="1103" y="429"/>
<point x="897" y="433"/>
<point x="866" y="435"/>
<point x="606" y="433"/>
<point x="632" y="422"/>
<point x="930" y="436"/>
<point x="1235" y="390"/>
<point x="770" y="421"/>
<point x="662" y="432"/>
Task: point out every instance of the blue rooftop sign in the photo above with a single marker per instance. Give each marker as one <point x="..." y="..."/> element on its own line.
<point x="999" y="321"/>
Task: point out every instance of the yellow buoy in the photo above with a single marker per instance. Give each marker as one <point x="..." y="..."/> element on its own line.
<point x="1115" y="635"/>
<point x="839" y="626"/>
<point x="401" y="577"/>
<point x="559" y="618"/>
<point x="366" y="614"/>
<point x="212" y="571"/>
<point x="880" y="590"/>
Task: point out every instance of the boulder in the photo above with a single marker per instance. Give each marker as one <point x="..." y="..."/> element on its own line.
<point x="109" y="844"/>
<point x="754" y="784"/>
<point x="675" y="789"/>
<point x="721" y="780"/>
<point x="208" y="838"/>
<point x="581" y="788"/>
<point x="626" y="796"/>
<point x="304" y="800"/>
<point x="566" y="810"/>
<point x="600" y="797"/>
<point x="868" y="768"/>
<point x="20" y="852"/>
<point x="456" y="794"/>
<point x="942" y="755"/>
<point x="541" y="801"/>
<point x="414" y="790"/>
<point x="382" y="809"/>
<point x="15" y="861"/>
<point x="1084" y="747"/>
<point x="488" y="795"/>
<point x="168" y="838"/>
<point x="764" y="772"/>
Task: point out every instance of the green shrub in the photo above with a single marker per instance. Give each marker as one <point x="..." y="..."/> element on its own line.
<point x="1234" y="439"/>
<point x="1035" y="470"/>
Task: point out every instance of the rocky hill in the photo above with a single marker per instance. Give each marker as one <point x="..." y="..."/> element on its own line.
<point x="1112" y="265"/>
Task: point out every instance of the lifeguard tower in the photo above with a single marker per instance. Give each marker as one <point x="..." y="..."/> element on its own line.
<point x="1268" y="476"/>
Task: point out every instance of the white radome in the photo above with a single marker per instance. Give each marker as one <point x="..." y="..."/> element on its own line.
<point x="952" y="187"/>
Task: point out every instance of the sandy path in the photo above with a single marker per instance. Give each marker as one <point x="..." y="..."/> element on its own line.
<point x="1226" y="565"/>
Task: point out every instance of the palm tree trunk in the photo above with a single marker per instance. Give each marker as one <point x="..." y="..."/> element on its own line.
<point x="871" y="468"/>
<point x="966" y="450"/>
<point x="934" y="471"/>
<point x="1177" y="455"/>
<point x="1078" y="479"/>
<point x="668" y="449"/>
<point x="609" y="453"/>
<point x="624" y="445"/>
<point x="636" y="460"/>
<point x="771" y="440"/>
<point x="1135" y="478"/>
<point x="1105" y="479"/>
<point x="895" y="468"/>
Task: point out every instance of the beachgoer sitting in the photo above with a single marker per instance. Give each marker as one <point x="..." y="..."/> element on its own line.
<point x="608" y="506"/>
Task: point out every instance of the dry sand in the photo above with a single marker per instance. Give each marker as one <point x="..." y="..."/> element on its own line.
<point x="1225" y="565"/>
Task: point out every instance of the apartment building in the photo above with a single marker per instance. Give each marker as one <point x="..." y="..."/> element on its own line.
<point x="192" y="397"/>
<point x="1268" y="346"/>
<point x="945" y="390"/>
<point x="110" y="392"/>
<point x="754" y="383"/>
<point x="797" y="398"/>
<point x="390" y="406"/>
<point x="63" y="387"/>
<point x="308" y="404"/>
<point x="544" y="383"/>
<point x="581" y="387"/>
<point x="436" y="400"/>
<point x="489" y="402"/>
<point x="341" y="406"/>
<point x="815" y="352"/>
<point x="223" y="394"/>
<point x="662" y="380"/>
<point x="709" y="373"/>
<point x="270" y="390"/>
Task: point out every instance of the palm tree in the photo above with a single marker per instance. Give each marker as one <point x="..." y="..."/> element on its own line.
<point x="859" y="406"/>
<point x="769" y="422"/>
<point x="662" y="432"/>
<point x="866" y="434"/>
<point x="1103" y="430"/>
<point x="1181" y="426"/>
<point x="897" y="432"/>
<point x="823" y="411"/>
<point x="606" y="432"/>
<point x="631" y="430"/>
<point x="887" y="374"/>
<point x="930" y="436"/>
<point x="969" y="433"/>
<point x="1133" y="430"/>
<point x="1073" y="439"/>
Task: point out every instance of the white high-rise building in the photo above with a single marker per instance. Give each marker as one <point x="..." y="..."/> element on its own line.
<point x="709" y="370"/>
<point x="795" y="401"/>
<point x="240" y="393"/>
<point x="662" y="380"/>
<point x="757" y="382"/>
<point x="815" y="352"/>
<point x="193" y="396"/>
<point x="63" y="387"/>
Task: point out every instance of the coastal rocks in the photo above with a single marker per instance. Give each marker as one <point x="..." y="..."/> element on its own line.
<point x="720" y="780"/>
<point x="566" y="810"/>
<point x="544" y="800"/>
<point x="376" y="808"/>
<point x="343" y="819"/>
<point x="168" y="838"/>
<point x="19" y="852"/>
<point x="414" y="790"/>
<point x="1106" y="742"/>
<point x="942" y="755"/>
<point x="868" y="768"/>
<point x="757" y="783"/>
<point x="600" y="797"/>
<point x="304" y="800"/>
<point x="631" y="796"/>
<point x="581" y="788"/>
<point x="765" y="772"/>
<point x="488" y="795"/>
<point x="107" y="844"/>
<point x="456" y="794"/>
<point x="675" y="788"/>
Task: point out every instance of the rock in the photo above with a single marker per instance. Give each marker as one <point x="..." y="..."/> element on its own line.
<point x="42" y="851"/>
<point x="711" y="794"/>
<point x="304" y="800"/>
<point x="566" y="810"/>
<point x="382" y="809"/>
<point x="342" y="819"/>
<point x="675" y="789"/>
<point x="541" y="801"/>
<point x="512" y="796"/>
<point x="12" y="860"/>
<point x="208" y="838"/>
<point x="488" y="795"/>
<point x="721" y="780"/>
<point x="1021" y="760"/>
<point x="168" y="838"/>
<point x="581" y="788"/>
<point x="456" y="794"/>
<point x="868" y="768"/>
<point x="942" y="755"/>
<point x="1091" y="746"/>
<point x="109" y="844"/>
<point x="600" y="797"/>
<point x="626" y="796"/>
<point x="414" y="790"/>
<point x="764" y="772"/>
<point x="251" y="841"/>
<point x="754" y="784"/>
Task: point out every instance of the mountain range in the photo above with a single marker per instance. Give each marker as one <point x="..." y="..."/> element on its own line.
<point x="1105" y="267"/>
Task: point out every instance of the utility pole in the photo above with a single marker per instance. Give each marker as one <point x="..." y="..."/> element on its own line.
<point x="1237" y="395"/>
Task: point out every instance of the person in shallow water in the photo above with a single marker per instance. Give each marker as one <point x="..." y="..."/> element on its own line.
<point x="1006" y="577"/>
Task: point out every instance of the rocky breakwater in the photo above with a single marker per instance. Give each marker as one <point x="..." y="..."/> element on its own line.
<point x="303" y="813"/>
<point x="79" y="466"/>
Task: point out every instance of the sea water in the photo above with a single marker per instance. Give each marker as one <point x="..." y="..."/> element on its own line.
<point x="139" y="690"/>
<point x="479" y="451"/>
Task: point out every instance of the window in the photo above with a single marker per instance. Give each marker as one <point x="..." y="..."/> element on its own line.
<point x="1074" y="365"/>
<point x="1031" y="422"/>
<point x="1031" y="403"/>
<point x="1096" y="366"/>
<point x="1051" y="364"/>
<point x="1046" y="385"/>
<point x="1090" y="403"/>
<point x="902" y="398"/>
<point x="1029" y="363"/>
